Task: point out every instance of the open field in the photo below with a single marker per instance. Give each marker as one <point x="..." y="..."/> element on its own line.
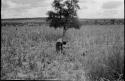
<point x="41" y="21"/>
<point x="28" y="52"/>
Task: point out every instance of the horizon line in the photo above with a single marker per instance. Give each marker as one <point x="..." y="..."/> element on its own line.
<point x="46" y="17"/>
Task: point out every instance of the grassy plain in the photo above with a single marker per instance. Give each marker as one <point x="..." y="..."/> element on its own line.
<point x="28" y="52"/>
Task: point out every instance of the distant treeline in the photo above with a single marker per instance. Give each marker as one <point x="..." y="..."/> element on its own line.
<point x="22" y="23"/>
<point x="42" y="21"/>
<point x="102" y="21"/>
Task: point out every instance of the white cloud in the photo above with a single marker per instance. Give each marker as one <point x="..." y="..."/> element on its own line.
<point x="111" y="4"/>
<point x="12" y="4"/>
<point x="39" y="8"/>
<point x="95" y="10"/>
<point x="38" y="11"/>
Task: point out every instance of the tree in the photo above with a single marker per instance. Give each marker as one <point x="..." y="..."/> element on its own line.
<point x="112" y="21"/>
<point x="64" y="15"/>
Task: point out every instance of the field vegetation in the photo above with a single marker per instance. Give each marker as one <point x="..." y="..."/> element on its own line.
<point x="93" y="53"/>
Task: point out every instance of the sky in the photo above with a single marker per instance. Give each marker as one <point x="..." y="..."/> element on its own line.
<point x="38" y="8"/>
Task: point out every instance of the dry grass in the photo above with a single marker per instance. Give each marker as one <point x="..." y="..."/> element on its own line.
<point x="29" y="53"/>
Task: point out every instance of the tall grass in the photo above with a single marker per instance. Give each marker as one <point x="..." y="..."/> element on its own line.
<point x="29" y="53"/>
<point x="104" y="58"/>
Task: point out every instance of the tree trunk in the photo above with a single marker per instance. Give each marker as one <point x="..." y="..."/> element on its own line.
<point x="64" y="31"/>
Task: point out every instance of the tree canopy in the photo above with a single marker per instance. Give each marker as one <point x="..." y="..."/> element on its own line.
<point x="64" y="14"/>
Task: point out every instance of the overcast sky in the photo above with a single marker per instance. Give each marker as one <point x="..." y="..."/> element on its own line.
<point x="39" y="8"/>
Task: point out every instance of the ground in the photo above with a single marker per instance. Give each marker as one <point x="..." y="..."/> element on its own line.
<point x="95" y="52"/>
